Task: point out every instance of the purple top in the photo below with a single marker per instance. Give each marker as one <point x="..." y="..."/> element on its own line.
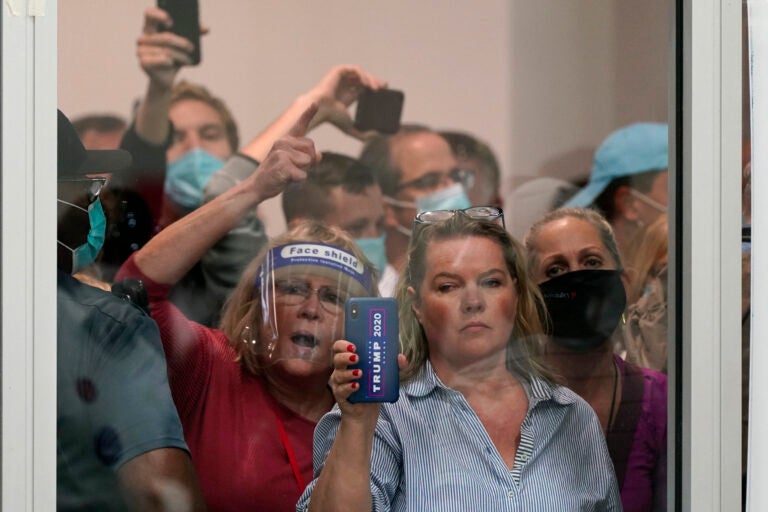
<point x="637" y="440"/>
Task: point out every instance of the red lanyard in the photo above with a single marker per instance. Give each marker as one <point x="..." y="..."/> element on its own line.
<point x="288" y="450"/>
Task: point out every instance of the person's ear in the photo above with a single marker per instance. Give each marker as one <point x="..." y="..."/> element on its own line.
<point x="390" y="216"/>
<point x="295" y="222"/>
<point x="415" y="302"/>
<point x="497" y="201"/>
<point x="624" y="204"/>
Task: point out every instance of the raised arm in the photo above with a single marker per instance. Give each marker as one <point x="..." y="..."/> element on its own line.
<point x="172" y="252"/>
<point x="334" y="93"/>
<point x="344" y="482"/>
<point x="161" y="54"/>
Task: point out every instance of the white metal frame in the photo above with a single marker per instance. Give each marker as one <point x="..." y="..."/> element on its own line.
<point x="28" y="256"/>
<point x="710" y="208"/>
<point x="711" y="257"/>
<point x="757" y="491"/>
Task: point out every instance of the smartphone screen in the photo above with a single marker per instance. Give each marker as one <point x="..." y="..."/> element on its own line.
<point x="186" y="22"/>
<point x="379" y="110"/>
<point x="371" y="324"/>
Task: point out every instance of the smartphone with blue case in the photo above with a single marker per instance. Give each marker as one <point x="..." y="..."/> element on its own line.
<point x="371" y="324"/>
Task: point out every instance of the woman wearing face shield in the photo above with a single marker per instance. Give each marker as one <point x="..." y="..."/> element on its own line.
<point x="574" y="257"/>
<point x="479" y="425"/>
<point x="249" y="394"/>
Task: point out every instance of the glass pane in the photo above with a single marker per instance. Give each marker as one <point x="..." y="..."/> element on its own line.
<point x="535" y="349"/>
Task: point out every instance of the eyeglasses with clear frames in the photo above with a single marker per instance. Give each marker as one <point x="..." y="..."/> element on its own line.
<point x="432" y="180"/>
<point x="296" y="292"/>
<point x="489" y="213"/>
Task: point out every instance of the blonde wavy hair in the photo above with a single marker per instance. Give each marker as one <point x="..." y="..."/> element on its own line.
<point x="647" y="256"/>
<point x="243" y="309"/>
<point x="525" y="346"/>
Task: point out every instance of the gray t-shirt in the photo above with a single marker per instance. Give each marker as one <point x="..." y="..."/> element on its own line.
<point x="114" y="402"/>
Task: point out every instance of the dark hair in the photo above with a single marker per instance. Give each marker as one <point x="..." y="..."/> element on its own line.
<point x="466" y="146"/>
<point x="377" y="155"/>
<point x="524" y="348"/>
<point x="102" y="123"/>
<point x="310" y="199"/>
<point x="642" y="182"/>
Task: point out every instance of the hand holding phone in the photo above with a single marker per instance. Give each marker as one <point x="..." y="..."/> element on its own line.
<point x="371" y="324"/>
<point x="379" y="110"/>
<point x="186" y="22"/>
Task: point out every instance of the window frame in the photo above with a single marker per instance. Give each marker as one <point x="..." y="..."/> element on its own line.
<point x="705" y="119"/>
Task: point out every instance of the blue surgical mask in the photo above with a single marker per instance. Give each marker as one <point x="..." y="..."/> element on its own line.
<point x="375" y="250"/>
<point x="86" y="253"/>
<point x="187" y="177"/>
<point x="448" y="198"/>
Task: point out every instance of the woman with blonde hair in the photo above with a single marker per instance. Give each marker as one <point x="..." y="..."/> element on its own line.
<point x="249" y="394"/>
<point x="574" y="257"/>
<point x="479" y="425"/>
<point x="646" y="329"/>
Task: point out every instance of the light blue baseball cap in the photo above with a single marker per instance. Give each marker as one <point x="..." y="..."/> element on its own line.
<point x="633" y="149"/>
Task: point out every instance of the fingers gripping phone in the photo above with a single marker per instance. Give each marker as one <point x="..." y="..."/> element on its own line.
<point x="186" y="22"/>
<point x="371" y="324"/>
<point x="379" y="110"/>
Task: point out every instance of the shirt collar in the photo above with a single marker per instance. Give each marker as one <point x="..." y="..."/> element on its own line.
<point x="424" y="382"/>
<point x="536" y="389"/>
<point x="539" y="390"/>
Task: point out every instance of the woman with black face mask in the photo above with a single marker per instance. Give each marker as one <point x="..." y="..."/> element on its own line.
<point x="574" y="257"/>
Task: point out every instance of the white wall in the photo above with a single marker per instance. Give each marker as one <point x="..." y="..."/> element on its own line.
<point x="543" y="81"/>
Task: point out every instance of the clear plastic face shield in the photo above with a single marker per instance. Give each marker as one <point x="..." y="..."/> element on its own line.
<point x="300" y="291"/>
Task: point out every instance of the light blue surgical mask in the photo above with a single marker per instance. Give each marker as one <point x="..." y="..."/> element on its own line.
<point x="187" y="177"/>
<point x="448" y="198"/>
<point x="453" y="197"/>
<point x="375" y="250"/>
<point x="86" y="253"/>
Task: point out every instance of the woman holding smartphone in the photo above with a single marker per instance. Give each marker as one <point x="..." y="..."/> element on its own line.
<point x="575" y="259"/>
<point x="250" y="393"/>
<point x="479" y="425"/>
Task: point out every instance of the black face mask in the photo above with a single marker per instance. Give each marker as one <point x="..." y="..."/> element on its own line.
<point x="584" y="307"/>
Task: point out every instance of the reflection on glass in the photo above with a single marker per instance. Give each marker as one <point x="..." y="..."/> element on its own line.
<point x="576" y="260"/>
<point x="249" y="324"/>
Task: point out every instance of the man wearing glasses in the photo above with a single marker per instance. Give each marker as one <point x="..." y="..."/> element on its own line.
<point x="417" y="172"/>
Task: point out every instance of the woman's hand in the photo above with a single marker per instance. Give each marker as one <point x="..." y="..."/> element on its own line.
<point x="287" y="161"/>
<point x="336" y="91"/>
<point x="345" y="381"/>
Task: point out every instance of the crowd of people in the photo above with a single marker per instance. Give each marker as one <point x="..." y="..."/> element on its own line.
<point x="204" y="365"/>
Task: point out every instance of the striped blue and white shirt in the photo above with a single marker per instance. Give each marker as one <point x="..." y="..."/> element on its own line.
<point x="431" y="452"/>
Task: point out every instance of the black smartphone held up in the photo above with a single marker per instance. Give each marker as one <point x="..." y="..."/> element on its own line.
<point x="371" y="324"/>
<point x="186" y="22"/>
<point x="379" y="110"/>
